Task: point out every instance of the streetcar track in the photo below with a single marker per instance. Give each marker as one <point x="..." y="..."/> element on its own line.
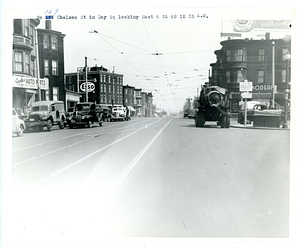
<point x="71" y="136"/>
<point x="93" y="153"/>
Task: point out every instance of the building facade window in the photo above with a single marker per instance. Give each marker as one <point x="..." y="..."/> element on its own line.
<point x="46" y="41"/>
<point x="240" y="77"/>
<point x="32" y="68"/>
<point x="26" y="28"/>
<point x="54" y="67"/>
<point x="54" y="43"/>
<point x="18" y="26"/>
<point x="283" y="76"/>
<point x="261" y="55"/>
<point x="228" y="55"/>
<point x="284" y="52"/>
<point x="27" y="63"/>
<point x="46" y="66"/>
<point x="31" y="30"/>
<point x="227" y="77"/>
<point x="239" y="55"/>
<point x="55" y="93"/>
<point x="261" y="77"/>
<point x="18" y="61"/>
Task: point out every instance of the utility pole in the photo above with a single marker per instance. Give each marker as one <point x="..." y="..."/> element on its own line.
<point x="37" y="65"/>
<point x="273" y="74"/>
<point x="86" y="81"/>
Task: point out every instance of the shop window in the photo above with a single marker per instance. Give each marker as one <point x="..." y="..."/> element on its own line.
<point x="54" y="67"/>
<point x="18" y="61"/>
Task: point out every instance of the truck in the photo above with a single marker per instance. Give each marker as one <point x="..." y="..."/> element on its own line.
<point x="86" y="114"/>
<point x="118" y="113"/>
<point x="213" y="105"/>
<point x="46" y="114"/>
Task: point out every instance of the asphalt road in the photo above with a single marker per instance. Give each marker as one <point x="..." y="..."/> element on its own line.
<point x="149" y="177"/>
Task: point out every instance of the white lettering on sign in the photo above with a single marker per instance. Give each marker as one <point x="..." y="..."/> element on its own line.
<point x="262" y="87"/>
<point x="90" y="87"/>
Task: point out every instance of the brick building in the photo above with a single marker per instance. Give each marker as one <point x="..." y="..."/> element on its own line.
<point x="262" y="62"/>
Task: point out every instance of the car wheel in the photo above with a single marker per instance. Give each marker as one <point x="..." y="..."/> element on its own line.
<point x="20" y="133"/>
<point x="227" y="122"/>
<point x="49" y="125"/>
<point x="61" y="125"/>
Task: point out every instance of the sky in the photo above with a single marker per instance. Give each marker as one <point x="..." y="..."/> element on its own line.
<point x="170" y="58"/>
<point x="168" y="54"/>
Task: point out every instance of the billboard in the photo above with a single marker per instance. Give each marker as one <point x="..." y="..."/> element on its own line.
<point x="277" y="29"/>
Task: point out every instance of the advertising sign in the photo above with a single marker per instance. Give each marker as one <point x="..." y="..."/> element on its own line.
<point x="245" y="86"/>
<point x="30" y="82"/>
<point x="90" y="87"/>
<point x="277" y="29"/>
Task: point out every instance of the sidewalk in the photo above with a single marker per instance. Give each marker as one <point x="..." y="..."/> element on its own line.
<point x="235" y="124"/>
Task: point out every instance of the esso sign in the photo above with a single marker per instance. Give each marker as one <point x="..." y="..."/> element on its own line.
<point x="90" y="87"/>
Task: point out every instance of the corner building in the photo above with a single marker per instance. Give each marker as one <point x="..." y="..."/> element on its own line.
<point x="27" y="86"/>
<point x="255" y="61"/>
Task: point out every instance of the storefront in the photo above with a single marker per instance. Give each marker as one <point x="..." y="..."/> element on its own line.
<point x="26" y="90"/>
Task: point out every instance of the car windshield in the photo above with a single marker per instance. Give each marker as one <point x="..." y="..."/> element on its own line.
<point x="82" y="107"/>
<point x="40" y="108"/>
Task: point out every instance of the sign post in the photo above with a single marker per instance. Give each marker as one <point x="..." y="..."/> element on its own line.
<point x="246" y="93"/>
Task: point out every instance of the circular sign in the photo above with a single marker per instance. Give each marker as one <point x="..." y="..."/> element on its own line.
<point x="90" y="87"/>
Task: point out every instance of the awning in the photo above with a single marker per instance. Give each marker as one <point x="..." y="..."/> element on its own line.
<point x="131" y="108"/>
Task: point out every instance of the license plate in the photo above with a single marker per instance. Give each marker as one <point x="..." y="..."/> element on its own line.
<point x="31" y="119"/>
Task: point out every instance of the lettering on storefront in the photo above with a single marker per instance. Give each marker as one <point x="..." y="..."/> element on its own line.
<point x="262" y="87"/>
<point x="30" y="82"/>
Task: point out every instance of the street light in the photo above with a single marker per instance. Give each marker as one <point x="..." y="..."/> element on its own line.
<point x="286" y="95"/>
<point x="273" y="74"/>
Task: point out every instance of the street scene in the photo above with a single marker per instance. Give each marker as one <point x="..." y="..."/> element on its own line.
<point x="173" y="180"/>
<point x="148" y="124"/>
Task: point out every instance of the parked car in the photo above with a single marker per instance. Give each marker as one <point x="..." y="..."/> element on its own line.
<point x="46" y="114"/>
<point x="18" y="125"/>
<point x="118" y="113"/>
<point x="86" y="114"/>
<point x="255" y="108"/>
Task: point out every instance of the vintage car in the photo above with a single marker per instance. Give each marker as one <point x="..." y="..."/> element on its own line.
<point x="46" y="114"/>
<point x="86" y="114"/>
<point x="254" y="109"/>
<point x="213" y="105"/>
<point x="118" y="113"/>
<point x="18" y="125"/>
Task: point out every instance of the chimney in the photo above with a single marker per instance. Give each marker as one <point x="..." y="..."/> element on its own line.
<point x="48" y="24"/>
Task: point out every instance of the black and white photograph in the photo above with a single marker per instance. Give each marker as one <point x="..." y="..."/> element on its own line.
<point x="148" y="126"/>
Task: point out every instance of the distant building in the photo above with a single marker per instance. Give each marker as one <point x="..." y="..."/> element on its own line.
<point x="252" y="60"/>
<point x="104" y="87"/>
<point x="128" y="98"/>
<point x="27" y="85"/>
<point x="138" y="102"/>
<point x="51" y="61"/>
